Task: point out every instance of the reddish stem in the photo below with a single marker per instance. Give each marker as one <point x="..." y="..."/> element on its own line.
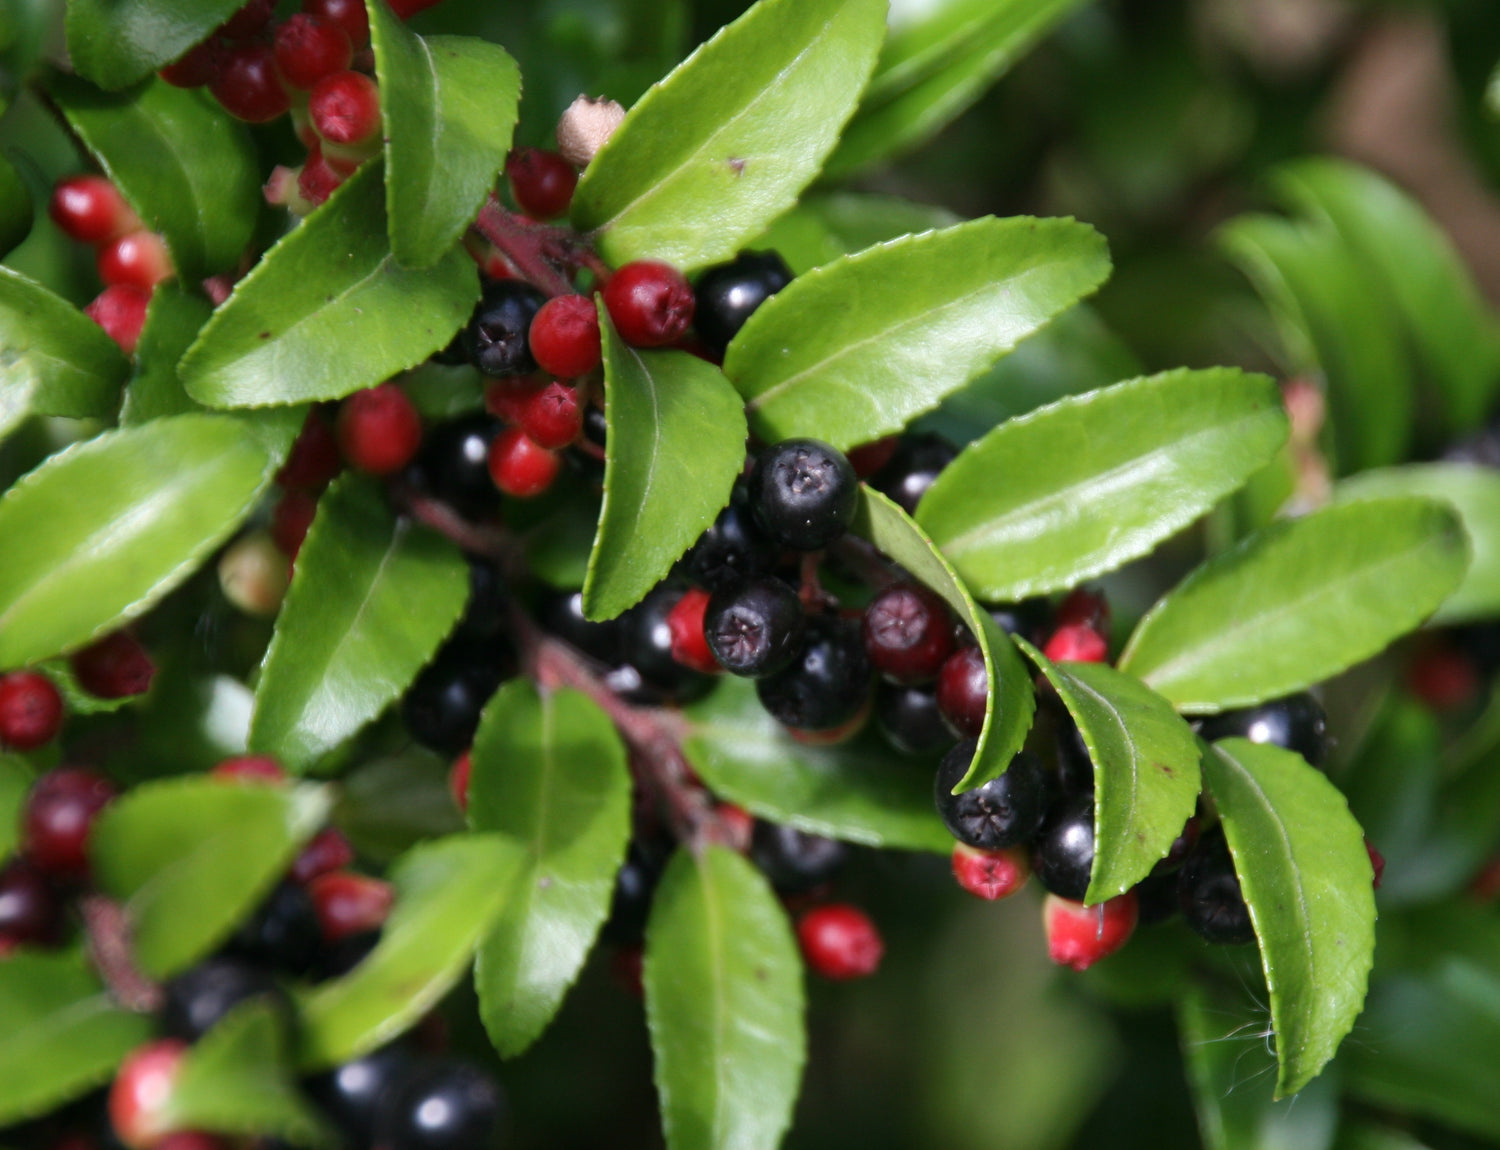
<point x="538" y="251"/>
<point x="108" y="938"/>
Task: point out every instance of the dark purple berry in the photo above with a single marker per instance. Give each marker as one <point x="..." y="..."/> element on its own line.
<point x="918" y="461"/>
<point x="728" y="294"/>
<point x="803" y="493"/>
<point x="795" y="862"/>
<point x="1063" y="855"/>
<point x="351" y="1095"/>
<point x="1032" y="619"/>
<point x="827" y="684"/>
<point x="909" y="718"/>
<point x="30" y="910"/>
<point x="453" y="464"/>
<point x="1156" y="898"/>
<point x="442" y="706"/>
<point x="1296" y="722"/>
<point x="497" y="338"/>
<point x="442" y="1105"/>
<point x="733" y="549"/>
<point x="561" y="613"/>
<point x="963" y="692"/>
<point x="1208" y="892"/>
<point x="908" y="633"/>
<point x="197" y="999"/>
<point x="1004" y="812"/>
<point x="754" y="629"/>
<point x="283" y="933"/>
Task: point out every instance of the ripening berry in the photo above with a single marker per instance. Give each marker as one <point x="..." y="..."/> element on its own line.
<point x="840" y="942"/>
<point x="963" y="692"/>
<point x="254" y="572"/>
<point x="458" y="779"/>
<point x="253" y="769"/>
<point x="519" y="466"/>
<point x="326" y="852"/>
<point x="348" y="903"/>
<point x="379" y="429"/>
<point x="348" y="15"/>
<point x="248" y="86"/>
<point x="121" y="311"/>
<point x="649" y="302"/>
<point x="541" y="182"/>
<point x="1076" y="643"/>
<point x="142" y="1090"/>
<point x="114" y="667"/>
<point x="290" y="520"/>
<point x="1079" y="936"/>
<point x="314" y="461"/>
<point x="31" y="710"/>
<point x="345" y="108"/>
<point x="309" y="49"/>
<point x="689" y="645"/>
<point x="139" y="259"/>
<point x="565" y="336"/>
<point x="91" y="210"/>
<point x="991" y="875"/>
<point x="551" y="416"/>
<point x="197" y="67"/>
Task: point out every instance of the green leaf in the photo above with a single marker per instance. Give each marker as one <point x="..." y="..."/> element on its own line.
<point x="449" y="107"/>
<point x="331" y="283"/>
<point x="191" y="857"/>
<point x="15" y="780"/>
<point x="237" y="1080"/>
<point x="371" y="599"/>
<point x="388" y="806"/>
<point x="448" y="894"/>
<point x="549" y="775"/>
<point x="1146" y="777"/>
<point x="1471" y="491"/>
<point x="173" y="320"/>
<point x="724" y="1004"/>
<point x="1089" y="483"/>
<point x="933" y="69"/>
<point x="1298" y="602"/>
<point x="186" y="166"/>
<point x="15" y="207"/>
<point x="822" y="228"/>
<point x="100" y="532"/>
<point x="54" y="354"/>
<point x="857" y="348"/>
<point x="117" y="42"/>
<point x="63" y="1034"/>
<point x="1011" y="705"/>
<point x="1304" y="872"/>
<point x="721" y="147"/>
<point x="676" y="442"/>
<point x="861" y="791"/>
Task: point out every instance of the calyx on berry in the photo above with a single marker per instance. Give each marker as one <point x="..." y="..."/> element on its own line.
<point x="754" y="628"/>
<point x="991" y="874"/>
<point x="1004" y="812"/>
<point x="803" y="493"/>
<point x="649" y="302"/>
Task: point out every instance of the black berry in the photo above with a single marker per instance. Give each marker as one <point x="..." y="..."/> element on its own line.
<point x="1156" y="898"/>
<point x="486" y="612"/>
<point x="453" y="464"/>
<point x="197" y="999"/>
<point x="803" y="493"/>
<point x="727" y="295"/>
<point x="1032" y="619"/>
<point x="827" y="684"/>
<point x="351" y="1094"/>
<point x="336" y="959"/>
<point x="909" y="718"/>
<point x="497" y="338"/>
<point x="732" y="549"/>
<point x="646" y="631"/>
<point x="963" y="691"/>
<point x="917" y="462"/>
<point x="442" y="706"/>
<point x="1063" y="855"/>
<point x="561" y="612"/>
<point x="795" y="862"/>
<point x="283" y="933"/>
<point x="30" y="910"/>
<point x="635" y="883"/>
<point x="1208" y="892"/>
<point x="441" y="1105"/>
<point x="754" y="629"/>
<point x="1004" y="812"/>
<point x="1296" y="722"/>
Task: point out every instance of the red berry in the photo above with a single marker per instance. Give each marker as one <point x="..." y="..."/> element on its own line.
<point x="349" y="903"/>
<point x="91" y="210"/>
<point x="30" y="910"/>
<point x="31" y="710"/>
<point x="507" y="398"/>
<point x="317" y="179"/>
<point x="649" y="302"/>
<point x="192" y="1140"/>
<point x="114" y="667"/>
<point x="542" y="182"/>
<point x="1377" y="864"/>
<point x="60" y="813"/>
<point x="519" y="467"/>
<point x="869" y="458"/>
<point x="345" y="108"/>
<point x="290" y="520"/>
<point x="406" y="9"/>
<point x="138" y="258"/>
<point x="963" y="692"/>
<point x="1076" y="643"/>
<point x="308" y="49"/>
<point x="458" y="779"/>
<point x="248" y="86"/>
<point x="1084" y="606"/>
<point x="908" y="633"/>
<point x="565" y="336"/>
<point x="249" y="20"/>
<point x="197" y="67"/>
<point x="840" y="942"/>
<point x="991" y="874"/>
<point x="689" y="644"/>
<point x="1444" y="679"/>
<point x="1079" y="936"/>
<point x="327" y="852"/>
<point x="314" y="460"/>
<point x="346" y="14"/>
<point x="627" y="965"/>
<point x="121" y="311"/>
<point x="254" y="769"/>
<point x="552" y="417"/>
<point x="142" y="1090"/>
<point x="379" y="429"/>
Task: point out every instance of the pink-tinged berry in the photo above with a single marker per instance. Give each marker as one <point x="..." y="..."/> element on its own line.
<point x="868" y="458"/>
<point x="349" y="903"/>
<point x="31" y="710"/>
<point x="114" y="667"/>
<point x="541" y="182"/>
<point x="253" y="769"/>
<point x="121" y="311"/>
<point x="458" y="779"/>
<point x="1443" y="678"/>
<point x="248" y="21"/>
<point x="840" y="942"/>
<point x="738" y="823"/>
<point x="308" y="50"/>
<point x="508" y="398"/>
<point x="1076" y="643"/>
<point x="519" y="467"/>
<point x="197" y="67"/>
<point x="991" y="875"/>
<point x="689" y="643"/>
<point x="1079" y="936"/>
<point x="963" y="692"/>
<point x="650" y="303"/>
<point x="346" y="14"/>
<point x="59" y="816"/>
<point x="565" y="336"/>
<point x="379" y="429"/>
<point x="141" y="1094"/>
<point x="345" y="108"/>
<point x="248" y="86"/>
<point x="326" y="852"/>
<point x="317" y="180"/>
<point x="139" y="259"/>
<point x="314" y="461"/>
<point x="1089" y="607"/>
<point x="91" y="210"/>
<point x="290" y="520"/>
<point x="552" y="417"/>
<point x="1377" y="864"/>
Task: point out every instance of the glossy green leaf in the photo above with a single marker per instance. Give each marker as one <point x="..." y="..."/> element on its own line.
<point x="173" y="320"/>
<point x="117" y="42"/>
<point x="724" y="1003"/>
<point x="1471" y="491"/>
<point x="387" y="806"/>
<point x="237" y="1080"/>
<point x="15" y="207"/>
<point x="372" y="597"/>
<point x="1087" y="484"/>
<point x="331" y="283"/>
<point x="191" y="857"/>
<point x="100" y="532"/>
<point x="54" y="354"/>
<point x="15" y="780"/>
<point x="1304" y="872"/>
<point x="1453" y="335"/>
<point x="676" y="443"/>
<point x="448" y="894"/>
<point x="861" y="791"/>
<point x="1011" y="704"/>
<point x="822" y="228"/>
<point x="449" y="106"/>
<point x="721" y="147"/>
<point x="1146" y="777"/>
<point x="933" y="68"/>
<point x="186" y="166"/>
<point x="857" y="348"/>
<point x="63" y="1034"/>
<point x="548" y="774"/>
<point x="1298" y="602"/>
